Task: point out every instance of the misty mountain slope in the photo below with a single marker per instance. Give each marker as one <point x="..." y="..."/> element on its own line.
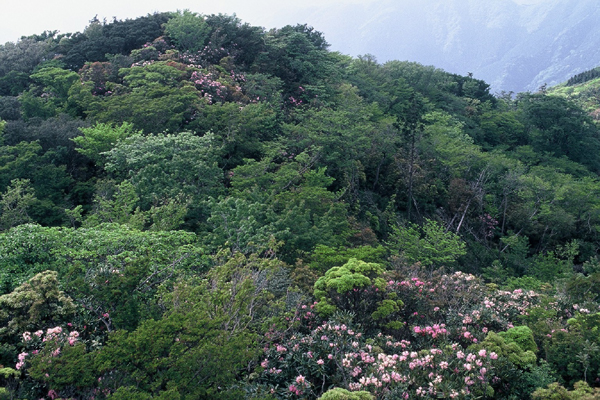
<point x="565" y="43"/>
<point x="514" y="47"/>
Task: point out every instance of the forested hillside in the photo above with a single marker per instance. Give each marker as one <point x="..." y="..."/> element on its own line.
<point x="196" y="208"/>
<point x="583" y="90"/>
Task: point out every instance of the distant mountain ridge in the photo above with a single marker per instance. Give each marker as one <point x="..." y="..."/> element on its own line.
<point x="512" y="46"/>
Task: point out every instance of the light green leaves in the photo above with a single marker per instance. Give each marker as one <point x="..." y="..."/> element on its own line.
<point x="188" y="30"/>
<point x="430" y="245"/>
<point x="19" y="196"/>
<point x="101" y="138"/>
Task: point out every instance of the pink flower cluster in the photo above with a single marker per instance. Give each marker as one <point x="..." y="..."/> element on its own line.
<point x="300" y="385"/>
<point x="21" y="358"/>
<point x="55" y="336"/>
<point x="430" y="371"/>
<point x="433" y="331"/>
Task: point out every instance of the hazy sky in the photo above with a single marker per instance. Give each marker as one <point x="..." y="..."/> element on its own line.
<point x="26" y="17"/>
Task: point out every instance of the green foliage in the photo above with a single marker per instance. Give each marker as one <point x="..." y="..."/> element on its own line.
<point x="430" y="245"/>
<point x="49" y="181"/>
<point x="205" y="338"/>
<point x="74" y="368"/>
<point x="582" y="288"/>
<point x="303" y="213"/>
<point x="524" y="282"/>
<point x="241" y="40"/>
<point x="298" y="56"/>
<point x="342" y="138"/>
<point x="521" y="335"/>
<point x="355" y="274"/>
<point x="562" y="128"/>
<point x="8" y="379"/>
<point x="245" y="290"/>
<point x="116" y="204"/>
<point x="554" y="391"/>
<point x="165" y="166"/>
<point x="154" y="75"/>
<point x="129" y="392"/>
<point x="111" y="270"/>
<point x="583" y="77"/>
<point x="49" y="94"/>
<point x="151" y="109"/>
<point x="169" y="214"/>
<point x="6" y="373"/>
<point x="302" y="157"/>
<point x="573" y="351"/>
<point x="358" y="286"/>
<point x="555" y="264"/>
<point x="239" y="224"/>
<point x="446" y="139"/>
<point x="101" y="138"/>
<point x="501" y="129"/>
<point x="17" y="61"/>
<point x="343" y="394"/>
<point x="100" y="39"/>
<point x="154" y="97"/>
<point x="26" y="251"/>
<point x="325" y="257"/>
<point x="36" y="304"/>
<point x="241" y="132"/>
<point x="187" y="30"/>
<point x="121" y="204"/>
<point x="309" y="214"/>
<point x="510" y="349"/>
<point x="189" y="352"/>
<point x="19" y="196"/>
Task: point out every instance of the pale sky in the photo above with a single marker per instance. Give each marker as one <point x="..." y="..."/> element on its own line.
<point x="26" y="17"/>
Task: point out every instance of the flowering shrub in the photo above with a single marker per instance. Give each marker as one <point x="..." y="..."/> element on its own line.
<point x="425" y="297"/>
<point x="98" y="73"/>
<point x="450" y="372"/>
<point x="54" y="339"/>
<point x="307" y="364"/>
<point x="57" y="358"/>
<point x="218" y="87"/>
<point x="507" y="306"/>
<point x="335" y="354"/>
<point x="456" y="307"/>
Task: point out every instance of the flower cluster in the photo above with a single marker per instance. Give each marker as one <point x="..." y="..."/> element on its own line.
<point x="336" y="354"/>
<point x="21" y="361"/>
<point x="98" y="74"/>
<point x="216" y="86"/>
<point x="509" y="305"/>
<point x="488" y="225"/>
<point x="472" y="309"/>
<point x="433" y="331"/>
<point x="56" y="337"/>
<point x="304" y="362"/>
<point x="435" y="372"/>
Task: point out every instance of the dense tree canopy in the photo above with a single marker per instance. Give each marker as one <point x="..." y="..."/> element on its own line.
<point x="194" y="207"/>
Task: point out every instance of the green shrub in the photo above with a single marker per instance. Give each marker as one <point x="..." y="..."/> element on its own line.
<point x="343" y="394"/>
